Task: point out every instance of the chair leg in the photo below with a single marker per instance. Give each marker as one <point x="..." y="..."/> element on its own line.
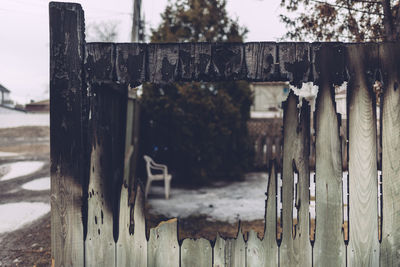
<point x="167" y="187"/>
<point x="147" y="188"/>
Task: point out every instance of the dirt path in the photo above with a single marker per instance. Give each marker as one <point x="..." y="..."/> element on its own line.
<point x="29" y="245"/>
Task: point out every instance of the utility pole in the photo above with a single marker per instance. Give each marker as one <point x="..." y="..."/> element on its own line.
<point x="136" y="21"/>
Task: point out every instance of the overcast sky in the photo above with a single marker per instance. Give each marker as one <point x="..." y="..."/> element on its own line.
<point x="24" y="33"/>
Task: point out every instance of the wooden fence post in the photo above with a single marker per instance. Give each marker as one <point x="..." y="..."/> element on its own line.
<point x="390" y="108"/>
<point x="67" y="133"/>
<point x="295" y="249"/>
<point x="363" y="248"/>
<point x="329" y="246"/>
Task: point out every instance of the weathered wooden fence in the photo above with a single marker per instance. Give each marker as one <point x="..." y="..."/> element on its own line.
<point x="97" y="206"/>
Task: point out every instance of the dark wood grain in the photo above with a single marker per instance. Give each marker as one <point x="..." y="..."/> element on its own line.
<point x="67" y="116"/>
<point x="100" y="62"/>
<point x="131" y="63"/>
<point x="107" y="124"/>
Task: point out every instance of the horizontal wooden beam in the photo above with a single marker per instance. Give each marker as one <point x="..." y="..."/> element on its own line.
<point x="135" y="63"/>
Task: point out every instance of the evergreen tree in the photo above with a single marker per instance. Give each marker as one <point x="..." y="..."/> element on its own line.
<point x="198" y="129"/>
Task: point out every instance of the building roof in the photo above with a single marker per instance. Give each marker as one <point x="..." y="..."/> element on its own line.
<point x="40" y="103"/>
<point x="3" y="89"/>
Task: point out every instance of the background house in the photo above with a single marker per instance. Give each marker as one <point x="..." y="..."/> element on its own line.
<point x="5" y="96"/>
<point x="38" y="107"/>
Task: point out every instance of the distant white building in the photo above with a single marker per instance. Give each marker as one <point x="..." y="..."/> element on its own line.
<point x="5" y="96"/>
<point x="268" y="98"/>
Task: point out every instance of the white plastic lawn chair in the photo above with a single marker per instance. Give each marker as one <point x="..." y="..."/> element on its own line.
<point x="151" y="165"/>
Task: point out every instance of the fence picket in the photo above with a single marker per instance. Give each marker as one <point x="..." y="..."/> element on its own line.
<point x="139" y="244"/>
<point x="230" y="252"/>
<point x="363" y="248"/>
<point x="106" y="174"/>
<point x="329" y="247"/>
<point x="269" y="240"/>
<point x="196" y="253"/>
<point x="295" y="249"/>
<point x="124" y="252"/>
<point x="390" y="246"/>
<point x="256" y="251"/>
<point x="163" y="247"/>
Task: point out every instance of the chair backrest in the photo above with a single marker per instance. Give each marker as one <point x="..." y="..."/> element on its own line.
<point x="149" y="161"/>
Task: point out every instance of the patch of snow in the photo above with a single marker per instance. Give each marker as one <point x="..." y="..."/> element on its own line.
<point x="18" y="169"/>
<point x="24" y="119"/>
<point x="38" y="184"/>
<point x="9" y="110"/>
<point x="8" y="154"/>
<point x="15" y="215"/>
<point x="227" y="201"/>
<point x="239" y="200"/>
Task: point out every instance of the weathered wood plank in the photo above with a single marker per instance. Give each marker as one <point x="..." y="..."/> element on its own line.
<point x="390" y="108"/>
<point x="228" y="61"/>
<point x="131" y="63"/>
<point x="265" y="252"/>
<point x="67" y="132"/>
<point x="336" y="67"/>
<point x="294" y="62"/>
<point x="230" y="252"/>
<point x="108" y="109"/>
<point x="163" y="247"/>
<point x="100" y="62"/>
<point x="139" y="245"/>
<point x="269" y="240"/>
<point x="363" y="248"/>
<point x="99" y="243"/>
<point x="261" y="61"/>
<point x="136" y="63"/>
<point x="125" y="240"/>
<point x="295" y="249"/>
<point x="124" y="254"/>
<point x="162" y="62"/>
<point x="196" y="253"/>
<point x="256" y="251"/>
<point x="329" y="246"/>
<point x="195" y="61"/>
<point x="219" y="252"/>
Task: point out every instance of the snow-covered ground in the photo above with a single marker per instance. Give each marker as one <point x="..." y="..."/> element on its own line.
<point x="225" y="202"/>
<point x="7" y="154"/>
<point x="19" y="169"/>
<point x="15" y="215"/>
<point x="38" y="184"/>
<point x="228" y="202"/>
<point x="9" y="120"/>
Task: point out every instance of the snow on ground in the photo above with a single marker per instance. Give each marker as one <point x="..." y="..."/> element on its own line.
<point x="228" y="202"/>
<point x="18" y="169"/>
<point x="24" y="119"/>
<point x="38" y="184"/>
<point x="15" y="215"/>
<point x="7" y="154"/>
<point x="225" y="202"/>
